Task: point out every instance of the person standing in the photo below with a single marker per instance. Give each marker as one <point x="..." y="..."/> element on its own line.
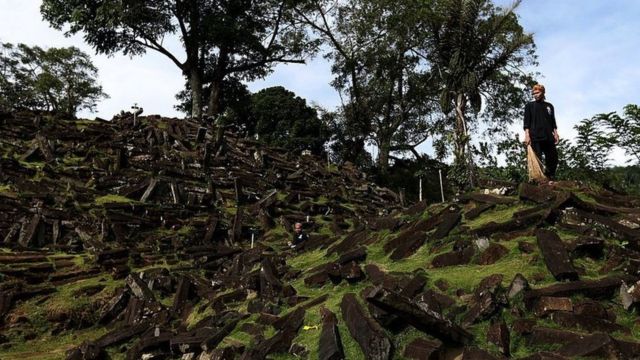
<point x="540" y="130"/>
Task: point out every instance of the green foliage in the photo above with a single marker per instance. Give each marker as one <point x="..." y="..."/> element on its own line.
<point x="406" y="173"/>
<point x="624" y="179"/>
<point x="220" y="39"/>
<point x="476" y="52"/>
<point x="377" y="73"/>
<point x="281" y="118"/>
<point x="62" y="80"/>
<point x="592" y="147"/>
<point x="234" y="102"/>
<point x="514" y="153"/>
<point x="624" y="130"/>
<point x="586" y="161"/>
<point x="458" y="174"/>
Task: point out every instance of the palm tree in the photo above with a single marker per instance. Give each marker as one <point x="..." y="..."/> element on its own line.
<point x="475" y="50"/>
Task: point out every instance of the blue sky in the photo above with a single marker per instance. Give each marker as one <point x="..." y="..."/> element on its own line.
<point x="588" y="53"/>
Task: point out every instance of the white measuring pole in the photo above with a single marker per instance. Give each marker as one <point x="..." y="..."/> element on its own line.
<point x="420" y="190"/>
<point x="441" y="188"/>
<point x="253" y="235"/>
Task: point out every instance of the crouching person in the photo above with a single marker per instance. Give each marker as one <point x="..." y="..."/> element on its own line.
<point x="299" y="236"/>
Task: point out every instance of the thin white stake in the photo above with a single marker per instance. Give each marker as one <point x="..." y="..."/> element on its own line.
<point x="441" y="188"/>
<point x="420" y="190"/>
<point x="307" y="218"/>
<point x="252" y="237"/>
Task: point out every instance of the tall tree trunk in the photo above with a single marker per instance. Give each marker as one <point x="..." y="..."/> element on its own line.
<point x="462" y="140"/>
<point x="358" y="117"/>
<point x="383" y="154"/>
<point x="215" y="97"/>
<point x="195" y="82"/>
<point x="219" y="72"/>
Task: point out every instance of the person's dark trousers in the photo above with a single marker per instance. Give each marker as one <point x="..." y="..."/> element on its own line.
<point x="548" y="148"/>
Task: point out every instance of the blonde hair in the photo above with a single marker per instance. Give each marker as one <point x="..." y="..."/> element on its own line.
<point x="539" y="87"/>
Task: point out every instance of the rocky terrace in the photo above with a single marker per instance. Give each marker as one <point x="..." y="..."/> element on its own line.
<point x="156" y="238"/>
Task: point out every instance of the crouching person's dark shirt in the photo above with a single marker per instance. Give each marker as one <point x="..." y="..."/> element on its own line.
<point x="299" y="238"/>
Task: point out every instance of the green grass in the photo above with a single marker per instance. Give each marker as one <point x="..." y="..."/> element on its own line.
<point x="66" y="300"/>
<point x="310" y="259"/>
<point x="186" y="230"/>
<point x="277" y="235"/>
<point x="73" y="160"/>
<point x="200" y="311"/>
<point x="321" y="200"/>
<point x="48" y="347"/>
<point x="501" y="213"/>
<point x="310" y="338"/>
<point x="585" y="197"/>
<point x="462" y="276"/>
<point x="113" y="199"/>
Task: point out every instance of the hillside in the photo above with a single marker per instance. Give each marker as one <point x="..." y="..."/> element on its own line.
<point x="148" y="239"/>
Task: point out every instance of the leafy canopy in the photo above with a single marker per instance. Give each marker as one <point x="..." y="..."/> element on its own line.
<point x="62" y="80"/>
<point x="283" y="119"/>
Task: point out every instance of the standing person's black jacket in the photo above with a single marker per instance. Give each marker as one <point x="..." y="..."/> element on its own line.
<point x="540" y="119"/>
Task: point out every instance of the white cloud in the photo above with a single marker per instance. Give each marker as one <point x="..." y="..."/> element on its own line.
<point x="309" y="81"/>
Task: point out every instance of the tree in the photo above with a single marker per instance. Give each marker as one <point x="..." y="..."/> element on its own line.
<point x="243" y="38"/>
<point x="378" y="75"/>
<point x="624" y="130"/>
<point x="477" y="51"/>
<point x="592" y="148"/>
<point x="62" y="80"/>
<point x="235" y="101"/>
<point x="281" y="118"/>
<point x="327" y="19"/>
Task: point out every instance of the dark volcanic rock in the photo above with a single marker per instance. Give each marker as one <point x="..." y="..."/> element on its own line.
<point x="587" y="246"/>
<point x="487" y="299"/>
<point x="281" y="341"/>
<point x="587" y="323"/>
<point x="534" y="193"/>
<point x="459" y="256"/>
<point x="555" y="255"/>
<point x="423" y="349"/>
<point x="369" y="335"/>
<point x="492" y="254"/>
<point x="596" y="289"/>
<point x="549" y="304"/>
<point x="330" y="345"/>
<point x="449" y="220"/>
<point x="597" y="345"/>
<point x="478" y="210"/>
<point x="498" y="334"/>
<point x="419" y="315"/>
<point x="514" y="224"/>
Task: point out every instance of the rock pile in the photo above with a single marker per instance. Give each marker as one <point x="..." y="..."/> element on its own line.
<point x="162" y="242"/>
